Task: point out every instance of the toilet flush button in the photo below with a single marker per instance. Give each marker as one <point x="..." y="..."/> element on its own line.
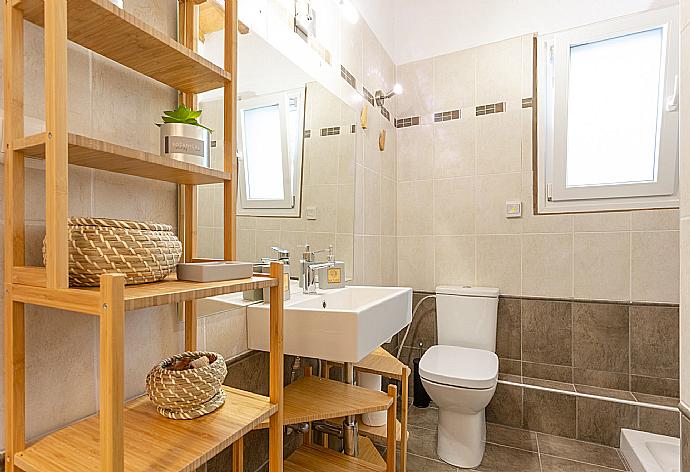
<point x="513" y="209"/>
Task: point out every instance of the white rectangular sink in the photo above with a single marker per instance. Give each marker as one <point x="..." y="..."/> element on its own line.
<point x="342" y="325"/>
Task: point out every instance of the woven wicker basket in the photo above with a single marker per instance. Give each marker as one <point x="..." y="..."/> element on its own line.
<point x="144" y="252"/>
<point x="187" y="394"/>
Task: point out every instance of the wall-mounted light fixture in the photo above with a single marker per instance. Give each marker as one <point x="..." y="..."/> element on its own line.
<point x="382" y="97"/>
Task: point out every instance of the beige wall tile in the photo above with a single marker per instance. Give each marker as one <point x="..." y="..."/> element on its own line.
<point x="454" y="82"/>
<point x="651" y="220"/>
<point x="372" y="260"/>
<point x="389" y="160"/>
<point x="526" y="144"/>
<point x="455" y="263"/>
<point x="454" y="206"/>
<point x="321" y="153"/>
<point x="415" y="208"/>
<point x="547" y="265"/>
<point x="654" y="266"/>
<point x="492" y="192"/>
<point x="416" y="262"/>
<point x="499" y="71"/>
<point x="325" y="199"/>
<point x="415" y="153"/>
<point x="225" y="332"/>
<point x="246" y="245"/>
<point x="602" y="266"/>
<point x="498" y="262"/>
<point x="685" y="308"/>
<point x="372" y="154"/>
<point x="389" y="204"/>
<point x="499" y="142"/>
<point x="372" y="203"/>
<point x="345" y="208"/>
<point x="454" y="147"/>
<point x="389" y="261"/>
<point x="344" y="251"/>
<point x="417" y="79"/>
<point x="600" y="222"/>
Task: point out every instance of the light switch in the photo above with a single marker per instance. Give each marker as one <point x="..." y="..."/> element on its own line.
<point x="513" y="209"/>
<point x="310" y="213"/>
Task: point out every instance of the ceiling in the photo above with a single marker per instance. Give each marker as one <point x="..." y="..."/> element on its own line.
<point x="412" y="29"/>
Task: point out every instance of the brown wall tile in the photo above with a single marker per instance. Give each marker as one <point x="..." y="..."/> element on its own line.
<point x="654" y="341"/>
<point x="598" y="378"/>
<point x="506" y="406"/>
<point x="509" y="366"/>
<point x="423" y="328"/>
<point x="558" y="373"/>
<point x="660" y="421"/>
<point x="548" y="412"/>
<point x="547" y="332"/>
<point x="601" y="421"/>
<point x="654" y="386"/>
<point x="600" y="337"/>
<point x="508" y="337"/>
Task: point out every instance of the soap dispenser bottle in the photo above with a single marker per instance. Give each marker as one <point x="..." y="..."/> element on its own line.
<point x="333" y="276"/>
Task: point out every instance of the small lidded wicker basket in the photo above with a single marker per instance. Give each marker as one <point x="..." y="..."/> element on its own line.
<point x="190" y="392"/>
<point x="144" y="252"/>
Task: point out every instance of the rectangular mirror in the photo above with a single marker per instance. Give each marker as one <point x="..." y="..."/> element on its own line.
<point x="296" y="159"/>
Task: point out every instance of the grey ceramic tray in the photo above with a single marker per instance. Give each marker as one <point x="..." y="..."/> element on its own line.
<point x="214" y="271"/>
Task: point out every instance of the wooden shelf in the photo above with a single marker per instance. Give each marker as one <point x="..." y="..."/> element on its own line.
<point x="152" y="442"/>
<point x="314" y="398"/>
<point x="165" y="292"/>
<point x="95" y="154"/>
<point x="382" y="362"/>
<point x="369" y="453"/>
<point x="102" y="27"/>
<point x="319" y="459"/>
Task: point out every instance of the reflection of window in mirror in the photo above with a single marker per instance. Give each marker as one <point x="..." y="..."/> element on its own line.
<point x="270" y="136"/>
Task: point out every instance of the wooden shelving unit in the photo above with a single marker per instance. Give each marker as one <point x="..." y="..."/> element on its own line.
<point x="381" y="362"/>
<point x="123" y="435"/>
<point x="95" y="154"/>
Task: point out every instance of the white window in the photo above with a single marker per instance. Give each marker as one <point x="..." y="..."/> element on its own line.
<point x="270" y="133"/>
<point x="608" y="115"/>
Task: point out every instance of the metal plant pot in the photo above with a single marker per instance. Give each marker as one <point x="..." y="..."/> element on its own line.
<point x="187" y="143"/>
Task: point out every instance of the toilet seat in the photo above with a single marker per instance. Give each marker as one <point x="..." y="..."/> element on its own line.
<point x="460" y="367"/>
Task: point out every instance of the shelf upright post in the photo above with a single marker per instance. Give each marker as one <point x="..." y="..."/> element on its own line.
<point x="277" y="366"/>
<point x="112" y="372"/>
<point x="229" y="132"/>
<point x="15" y="384"/>
<point x="55" y="12"/>
<point x="188" y="33"/>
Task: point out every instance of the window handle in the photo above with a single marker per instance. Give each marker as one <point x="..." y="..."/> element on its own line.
<point x="672" y="100"/>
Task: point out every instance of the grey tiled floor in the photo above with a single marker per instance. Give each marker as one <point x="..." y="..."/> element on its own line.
<point x="510" y="450"/>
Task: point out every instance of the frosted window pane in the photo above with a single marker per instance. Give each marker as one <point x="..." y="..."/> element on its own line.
<point x="613" y="110"/>
<point x="263" y="153"/>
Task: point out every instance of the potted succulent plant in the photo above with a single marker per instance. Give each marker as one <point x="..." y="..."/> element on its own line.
<point x="184" y="138"/>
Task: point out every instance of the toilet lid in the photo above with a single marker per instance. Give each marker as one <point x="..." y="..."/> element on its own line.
<point x="459" y="367"/>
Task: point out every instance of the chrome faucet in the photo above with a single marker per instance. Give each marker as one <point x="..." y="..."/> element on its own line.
<point x="309" y="267"/>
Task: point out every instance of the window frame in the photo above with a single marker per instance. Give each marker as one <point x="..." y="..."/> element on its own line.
<point x="553" y="53"/>
<point x="290" y="205"/>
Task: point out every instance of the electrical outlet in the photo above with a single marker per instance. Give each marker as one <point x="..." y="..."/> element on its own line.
<point x="310" y="213"/>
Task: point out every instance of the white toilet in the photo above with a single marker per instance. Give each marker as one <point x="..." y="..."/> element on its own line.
<point x="460" y="373"/>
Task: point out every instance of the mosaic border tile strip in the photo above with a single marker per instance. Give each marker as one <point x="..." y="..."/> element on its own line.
<point x="332" y="131"/>
<point x="446" y="116"/>
<point x="349" y="78"/>
<point x="386" y="114"/>
<point x="307" y="133"/>
<point x="353" y="129"/>
<point x="491" y="108"/>
<point x="407" y="122"/>
<point x="527" y="102"/>
<point x="368" y="96"/>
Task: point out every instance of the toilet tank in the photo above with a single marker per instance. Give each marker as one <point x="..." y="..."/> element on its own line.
<point x="466" y="316"/>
